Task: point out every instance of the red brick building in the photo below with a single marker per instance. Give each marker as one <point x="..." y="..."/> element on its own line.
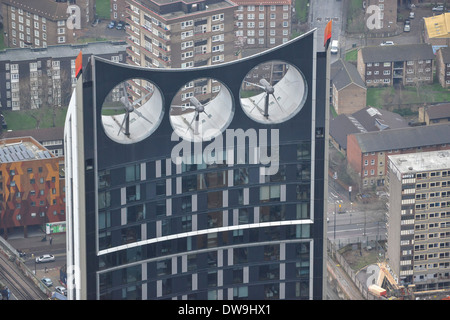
<point x="31" y="185"/>
<point x="367" y="153"/>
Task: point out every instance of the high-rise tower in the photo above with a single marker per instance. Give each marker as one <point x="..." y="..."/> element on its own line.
<point x="221" y="198"/>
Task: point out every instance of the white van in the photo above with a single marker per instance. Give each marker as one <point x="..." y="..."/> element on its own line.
<point x="334" y="46"/>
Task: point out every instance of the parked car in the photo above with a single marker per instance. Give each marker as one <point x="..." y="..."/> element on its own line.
<point x="61" y="290"/>
<point x="411" y="15"/>
<point x="334" y="47"/>
<point x="47" y="281"/>
<point x="387" y="43"/>
<point x="438" y="8"/>
<point x="120" y="26"/>
<point x="45" y="258"/>
<point x="111" y="25"/>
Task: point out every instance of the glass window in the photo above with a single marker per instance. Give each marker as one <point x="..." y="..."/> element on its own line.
<point x="240" y="293"/>
<point x="269" y="272"/>
<point x="215" y="199"/>
<point x="132" y="173"/>
<point x="304" y="151"/>
<point x="269" y="193"/>
<point x="104" y="199"/>
<point x="135" y="213"/>
<point x="240" y="255"/>
<point x="104" y="219"/>
<point x="303" y="210"/>
<point x="104" y="179"/>
<point x="133" y="193"/>
<point x="272" y="213"/>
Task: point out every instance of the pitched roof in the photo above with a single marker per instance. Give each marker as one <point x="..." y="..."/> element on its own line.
<point x="445" y="52"/>
<point x="48" y="9"/>
<point x="365" y="120"/>
<point x="405" y="52"/>
<point x="44" y="134"/>
<point x="403" y="138"/>
<point x="439" y="111"/>
<point x="344" y="73"/>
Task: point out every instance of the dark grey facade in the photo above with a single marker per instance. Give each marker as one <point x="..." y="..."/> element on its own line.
<point x="159" y="230"/>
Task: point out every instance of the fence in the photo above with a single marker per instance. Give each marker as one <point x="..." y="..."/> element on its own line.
<point x="352" y="274"/>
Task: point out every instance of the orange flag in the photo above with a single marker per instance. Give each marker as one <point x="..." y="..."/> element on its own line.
<point x="78" y="64"/>
<point x="327" y="34"/>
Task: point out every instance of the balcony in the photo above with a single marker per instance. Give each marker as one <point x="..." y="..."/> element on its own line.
<point x="133" y="53"/>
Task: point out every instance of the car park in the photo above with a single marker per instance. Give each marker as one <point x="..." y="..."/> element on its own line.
<point x="387" y="43"/>
<point x="47" y="281"/>
<point x="45" y="258"/>
<point x="438" y="8"/>
<point x="61" y="290"/>
<point x="111" y="25"/>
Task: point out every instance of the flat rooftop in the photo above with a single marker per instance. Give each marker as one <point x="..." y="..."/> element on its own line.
<point x="62" y="51"/>
<point x="422" y="161"/>
<point x="22" y="149"/>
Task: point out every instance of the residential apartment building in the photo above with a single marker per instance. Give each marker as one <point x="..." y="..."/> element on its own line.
<point x="166" y="34"/>
<point x="410" y="64"/>
<point x="367" y="153"/>
<point x="348" y="91"/>
<point x="262" y="24"/>
<point x="32" y="185"/>
<point x="443" y="66"/>
<point x="418" y="224"/>
<point x="118" y="10"/>
<point x="44" y="22"/>
<point x="32" y="78"/>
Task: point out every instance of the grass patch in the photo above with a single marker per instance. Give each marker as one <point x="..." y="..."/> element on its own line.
<point x="376" y="96"/>
<point x="36" y="118"/>
<point x="408" y="95"/>
<point x="302" y="10"/>
<point x="2" y="40"/>
<point x="103" y="9"/>
<point x="351" y="55"/>
<point x="355" y="16"/>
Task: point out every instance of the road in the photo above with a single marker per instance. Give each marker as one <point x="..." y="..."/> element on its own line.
<point x="350" y="220"/>
<point x="355" y="225"/>
<point x="320" y="13"/>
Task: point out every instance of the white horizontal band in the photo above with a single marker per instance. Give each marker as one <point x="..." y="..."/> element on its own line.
<point x="204" y="231"/>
